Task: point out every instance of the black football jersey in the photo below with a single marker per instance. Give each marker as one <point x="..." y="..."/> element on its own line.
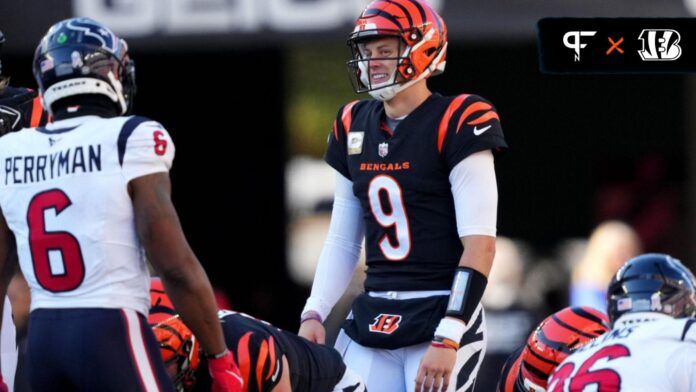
<point x="20" y="108"/>
<point x="259" y="348"/>
<point x="402" y="180"/>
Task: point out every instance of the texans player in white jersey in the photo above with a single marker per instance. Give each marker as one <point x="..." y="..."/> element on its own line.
<point x="415" y="178"/>
<point x="86" y="197"/>
<point x="652" y="344"/>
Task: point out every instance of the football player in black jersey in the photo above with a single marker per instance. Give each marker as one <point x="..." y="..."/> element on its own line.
<point x="269" y="358"/>
<point x="416" y="179"/>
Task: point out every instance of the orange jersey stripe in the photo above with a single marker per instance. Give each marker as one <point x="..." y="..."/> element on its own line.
<point x="272" y="358"/>
<point x="444" y="122"/>
<point x="263" y="353"/>
<point x="347" y="116"/>
<point x="335" y="129"/>
<point x="487" y="116"/>
<point x="243" y="356"/>
<point x="471" y="109"/>
<point x="36" y="112"/>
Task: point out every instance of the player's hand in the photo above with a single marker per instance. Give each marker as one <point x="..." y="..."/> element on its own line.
<point x="435" y="369"/>
<point x="225" y="374"/>
<point x="313" y="331"/>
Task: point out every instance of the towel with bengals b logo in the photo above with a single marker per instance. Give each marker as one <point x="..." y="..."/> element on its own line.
<point x="393" y="323"/>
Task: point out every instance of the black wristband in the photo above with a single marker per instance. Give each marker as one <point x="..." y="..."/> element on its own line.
<point x="467" y="289"/>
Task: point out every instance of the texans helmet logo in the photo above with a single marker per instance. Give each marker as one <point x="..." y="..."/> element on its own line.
<point x="99" y="35"/>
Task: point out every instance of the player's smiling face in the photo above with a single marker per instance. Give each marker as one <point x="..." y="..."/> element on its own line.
<point x="381" y="70"/>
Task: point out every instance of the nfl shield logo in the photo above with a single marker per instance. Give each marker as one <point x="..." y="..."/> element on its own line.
<point x="383" y="149"/>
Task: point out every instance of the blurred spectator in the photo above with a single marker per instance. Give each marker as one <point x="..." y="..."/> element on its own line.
<point x="509" y="316"/>
<point x="646" y="196"/>
<point x="611" y="244"/>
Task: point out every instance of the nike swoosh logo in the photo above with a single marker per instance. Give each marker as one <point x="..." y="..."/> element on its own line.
<point x="275" y="375"/>
<point x="482" y="130"/>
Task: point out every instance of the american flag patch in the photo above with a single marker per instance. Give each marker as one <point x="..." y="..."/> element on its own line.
<point x="624" y="304"/>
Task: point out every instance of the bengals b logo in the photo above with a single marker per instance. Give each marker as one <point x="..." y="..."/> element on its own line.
<point x="385" y="323"/>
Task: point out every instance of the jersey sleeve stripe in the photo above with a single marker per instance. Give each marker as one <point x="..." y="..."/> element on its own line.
<point x="126" y="131"/>
<point x="444" y="122"/>
<point x="471" y="109"/>
<point x="260" y="363"/>
<point x="243" y="359"/>
<point x="271" y="358"/>
<point x="489" y="115"/>
<point x="334" y="128"/>
<point x="347" y="116"/>
<point x="36" y="112"/>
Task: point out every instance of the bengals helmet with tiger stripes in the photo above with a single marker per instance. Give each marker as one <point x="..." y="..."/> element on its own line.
<point x="555" y="339"/>
<point x="423" y="37"/>
<point x="178" y="345"/>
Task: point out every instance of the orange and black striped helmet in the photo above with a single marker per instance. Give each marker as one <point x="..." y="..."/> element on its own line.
<point x="176" y="341"/>
<point x="161" y="306"/>
<point x="423" y="36"/>
<point x="556" y="338"/>
<point x="178" y="345"/>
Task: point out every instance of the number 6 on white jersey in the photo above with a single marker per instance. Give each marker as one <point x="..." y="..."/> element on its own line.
<point x="397" y="217"/>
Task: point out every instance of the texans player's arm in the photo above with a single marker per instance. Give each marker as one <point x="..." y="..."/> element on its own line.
<point x="468" y="133"/>
<point x="146" y="152"/>
<point x="341" y="250"/>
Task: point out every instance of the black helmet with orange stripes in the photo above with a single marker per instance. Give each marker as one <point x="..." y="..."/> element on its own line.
<point x="556" y="338"/>
<point x="652" y="282"/>
<point x="422" y="35"/>
<point x="80" y="56"/>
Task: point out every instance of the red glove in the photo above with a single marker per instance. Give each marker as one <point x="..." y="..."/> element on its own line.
<point x="225" y="374"/>
<point x="3" y="387"/>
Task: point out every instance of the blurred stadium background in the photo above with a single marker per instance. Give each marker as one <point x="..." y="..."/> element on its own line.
<point x="248" y="90"/>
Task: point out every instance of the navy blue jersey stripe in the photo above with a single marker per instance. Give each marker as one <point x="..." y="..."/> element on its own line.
<point x="687" y="326"/>
<point x="54" y="131"/>
<point x="127" y="129"/>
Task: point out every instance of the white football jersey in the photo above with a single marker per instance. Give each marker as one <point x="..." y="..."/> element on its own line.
<point x="644" y="352"/>
<point x="64" y="194"/>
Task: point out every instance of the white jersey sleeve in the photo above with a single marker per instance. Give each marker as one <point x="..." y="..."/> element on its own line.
<point x="145" y="147"/>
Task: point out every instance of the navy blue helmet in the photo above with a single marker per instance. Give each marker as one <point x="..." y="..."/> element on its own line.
<point x="652" y="282"/>
<point x="81" y="56"/>
<point x="2" y="41"/>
